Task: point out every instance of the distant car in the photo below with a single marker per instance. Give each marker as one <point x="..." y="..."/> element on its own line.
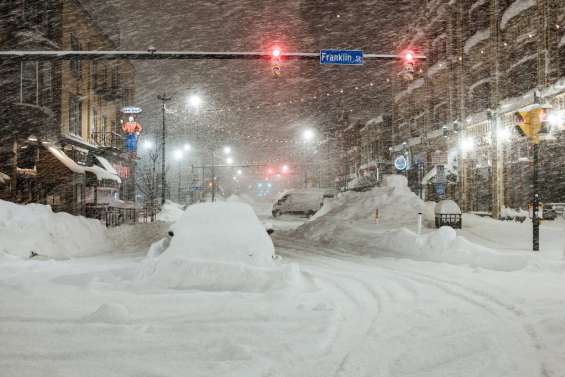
<point x="301" y="202"/>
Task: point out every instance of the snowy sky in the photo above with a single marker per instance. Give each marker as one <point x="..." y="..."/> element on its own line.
<point x="251" y="25"/>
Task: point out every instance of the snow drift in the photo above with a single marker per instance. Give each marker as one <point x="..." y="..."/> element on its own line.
<point x="218" y="246"/>
<point x="35" y="227"/>
<point x="170" y="212"/>
<point x="348" y="221"/>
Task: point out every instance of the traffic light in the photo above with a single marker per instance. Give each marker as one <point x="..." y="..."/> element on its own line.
<point x="285" y="169"/>
<point x="408" y="65"/>
<point x="530" y="123"/>
<point x="276" y="62"/>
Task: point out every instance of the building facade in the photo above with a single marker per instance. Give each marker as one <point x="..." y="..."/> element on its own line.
<point x="486" y="60"/>
<point x="60" y="121"/>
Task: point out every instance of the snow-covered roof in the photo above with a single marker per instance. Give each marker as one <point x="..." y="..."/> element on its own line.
<point x="477" y="4"/>
<point x="414" y="85"/>
<point x="4" y="178"/>
<point x="447" y="207"/>
<point x="475" y="39"/>
<point x="79" y="169"/>
<point x="515" y="9"/>
<point x="439" y="66"/>
<point x="106" y="165"/>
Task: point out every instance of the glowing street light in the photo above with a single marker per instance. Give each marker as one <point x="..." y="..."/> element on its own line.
<point x="186" y="147"/>
<point x="178" y="154"/>
<point x="239" y="172"/>
<point x="227" y="150"/>
<point x="504" y="134"/>
<point x="308" y="135"/>
<point x="194" y="101"/>
<point x="148" y="144"/>
<point x="467" y="144"/>
<point x="229" y="160"/>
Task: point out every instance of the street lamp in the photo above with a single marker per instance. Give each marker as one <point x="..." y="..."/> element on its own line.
<point x="227" y="150"/>
<point x="229" y="160"/>
<point x="164" y="99"/>
<point x="179" y="156"/>
<point x="195" y="101"/>
<point x="186" y="147"/>
<point x="307" y="136"/>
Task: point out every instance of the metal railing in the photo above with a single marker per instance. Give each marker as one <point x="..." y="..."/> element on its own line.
<point x="108" y="140"/>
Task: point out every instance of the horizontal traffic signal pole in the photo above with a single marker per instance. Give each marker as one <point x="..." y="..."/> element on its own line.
<point x="172" y="55"/>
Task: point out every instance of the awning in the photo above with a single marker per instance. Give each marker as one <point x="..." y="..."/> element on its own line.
<point x="100" y="173"/>
<point x="106" y="165"/>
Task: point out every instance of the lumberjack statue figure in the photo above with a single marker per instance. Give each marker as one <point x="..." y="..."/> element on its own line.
<point x="133" y="130"/>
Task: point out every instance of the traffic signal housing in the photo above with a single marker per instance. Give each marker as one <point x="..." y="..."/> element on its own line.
<point x="276" y="62"/>
<point x="530" y="123"/>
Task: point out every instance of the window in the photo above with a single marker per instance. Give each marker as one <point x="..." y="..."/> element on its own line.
<point x="75" y="64"/>
<point x="28" y="82"/>
<point x="46" y="87"/>
<point x="75" y="116"/>
<point x="94" y="129"/>
<point x="94" y="74"/>
<point x="115" y="76"/>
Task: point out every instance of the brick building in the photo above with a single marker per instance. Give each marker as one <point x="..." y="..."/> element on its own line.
<point x="60" y="120"/>
<point x="486" y="60"/>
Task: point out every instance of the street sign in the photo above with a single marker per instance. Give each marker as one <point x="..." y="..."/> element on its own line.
<point x="400" y="163"/>
<point x="341" y="57"/>
<point x="131" y="110"/>
<point x="440" y="189"/>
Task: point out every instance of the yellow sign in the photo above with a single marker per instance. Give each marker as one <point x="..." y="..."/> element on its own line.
<point x="530" y="122"/>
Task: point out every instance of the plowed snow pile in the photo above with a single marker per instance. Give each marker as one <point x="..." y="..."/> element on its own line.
<point x="218" y="246"/>
<point x="170" y="212"/>
<point x="35" y="227"/>
<point x="348" y="221"/>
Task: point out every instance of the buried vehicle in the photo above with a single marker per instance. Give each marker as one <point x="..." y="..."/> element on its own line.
<point x="301" y="202"/>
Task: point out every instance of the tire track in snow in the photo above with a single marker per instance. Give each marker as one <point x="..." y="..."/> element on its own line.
<point x="474" y="297"/>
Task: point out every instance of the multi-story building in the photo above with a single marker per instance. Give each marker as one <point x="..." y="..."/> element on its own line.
<point x="364" y="147"/>
<point x="486" y="60"/>
<point x="60" y="120"/>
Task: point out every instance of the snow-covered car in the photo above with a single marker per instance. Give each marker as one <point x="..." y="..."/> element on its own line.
<point x="301" y="202"/>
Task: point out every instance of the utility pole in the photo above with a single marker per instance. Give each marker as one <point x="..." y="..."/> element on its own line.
<point x="213" y="177"/>
<point x="536" y="201"/>
<point x="164" y="99"/>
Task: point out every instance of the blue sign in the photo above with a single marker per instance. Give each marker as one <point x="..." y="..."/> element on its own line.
<point x="196" y="188"/>
<point x="400" y="163"/>
<point x="440" y="189"/>
<point x="343" y="57"/>
<point x="131" y="110"/>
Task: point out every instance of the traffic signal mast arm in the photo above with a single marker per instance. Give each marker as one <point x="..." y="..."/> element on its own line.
<point x="163" y="55"/>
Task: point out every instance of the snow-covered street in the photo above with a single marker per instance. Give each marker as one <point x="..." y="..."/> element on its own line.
<point x="350" y="313"/>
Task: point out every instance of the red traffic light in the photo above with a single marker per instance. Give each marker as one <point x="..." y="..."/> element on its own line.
<point x="270" y="171"/>
<point x="276" y="52"/>
<point x="409" y="56"/>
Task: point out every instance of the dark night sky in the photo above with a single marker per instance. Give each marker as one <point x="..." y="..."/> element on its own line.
<point x="251" y="25"/>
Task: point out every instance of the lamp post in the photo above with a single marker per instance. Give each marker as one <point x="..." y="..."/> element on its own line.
<point x="164" y="99"/>
<point x="307" y="136"/>
<point x="148" y="145"/>
<point x="179" y="156"/>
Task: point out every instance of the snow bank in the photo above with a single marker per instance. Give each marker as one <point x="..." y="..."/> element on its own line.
<point x="218" y="246"/>
<point x="110" y="314"/>
<point x="445" y="246"/>
<point x="170" y="212"/>
<point x="396" y="204"/>
<point x="348" y="222"/>
<point x="35" y="227"/>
